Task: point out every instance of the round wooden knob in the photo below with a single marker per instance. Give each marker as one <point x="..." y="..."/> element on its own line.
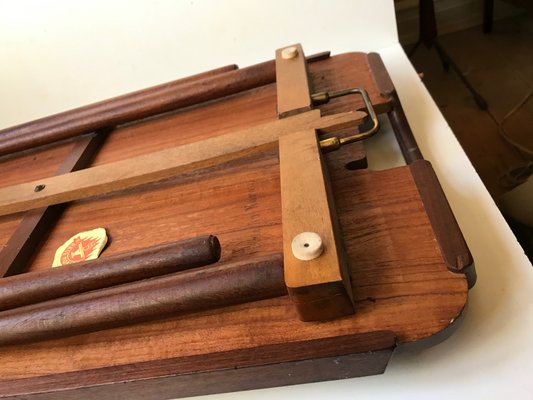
<point x="307" y="246"/>
<point x="289" y="52"/>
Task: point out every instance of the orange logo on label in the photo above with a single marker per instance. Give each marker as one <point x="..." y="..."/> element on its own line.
<point x="80" y="249"/>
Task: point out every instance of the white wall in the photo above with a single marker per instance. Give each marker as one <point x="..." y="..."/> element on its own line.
<point x="56" y="55"/>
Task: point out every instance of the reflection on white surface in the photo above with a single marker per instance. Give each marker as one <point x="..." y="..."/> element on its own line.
<point x="382" y="149"/>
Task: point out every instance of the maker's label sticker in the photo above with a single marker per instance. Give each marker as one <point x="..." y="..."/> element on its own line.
<point x="81" y="247"/>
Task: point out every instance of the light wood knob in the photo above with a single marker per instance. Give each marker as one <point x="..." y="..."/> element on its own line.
<point x="289" y="52"/>
<point x="307" y="246"/>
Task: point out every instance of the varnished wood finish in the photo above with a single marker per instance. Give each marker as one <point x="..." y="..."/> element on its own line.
<point x="35" y="287"/>
<point x="451" y="241"/>
<point x="292" y="83"/>
<point x="397" y="118"/>
<point x="394" y="291"/>
<point x="381" y="76"/>
<point x="319" y="288"/>
<point x="173" y="294"/>
<point x="19" y="249"/>
<point x="448" y="234"/>
<point x="263" y="366"/>
<point x="401" y="283"/>
<point x="403" y="132"/>
<point x="165" y="163"/>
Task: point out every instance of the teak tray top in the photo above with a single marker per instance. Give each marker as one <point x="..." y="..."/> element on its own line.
<point x="403" y="289"/>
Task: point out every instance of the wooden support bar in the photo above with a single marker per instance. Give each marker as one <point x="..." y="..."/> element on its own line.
<point x="167" y="97"/>
<point x="319" y="287"/>
<point x="171" y="295"/>
<point x="164" y="164"/>
<point x="35" y="287"/>
<point x="449" y="236"/>
<point x="19" y="249"/>
<point x="402" y="130"/>
<point x="451" y="241"/>
<point x="292" y="81"/>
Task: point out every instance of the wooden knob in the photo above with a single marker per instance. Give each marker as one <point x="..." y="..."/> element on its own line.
<point x="307" y="246"/>
<point x="289" y="52"/>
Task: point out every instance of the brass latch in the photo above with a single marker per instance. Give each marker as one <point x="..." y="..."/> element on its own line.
<point x="335" y="143"/>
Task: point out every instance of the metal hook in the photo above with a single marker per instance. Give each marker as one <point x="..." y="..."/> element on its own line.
<point x="335" y="143"/>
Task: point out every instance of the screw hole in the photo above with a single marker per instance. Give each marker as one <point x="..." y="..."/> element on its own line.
<point x="356" y="164"/>
<point x="306" y="244"/>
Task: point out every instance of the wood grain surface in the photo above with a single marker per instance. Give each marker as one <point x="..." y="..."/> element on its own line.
<point x="292" y="82"/>
<point x="154" y="167"/>
<point x="400" y="284"/>
<point x="35" y="224"/>
<point x="448" y="234"/>
<point x="319" y="288"/>
<point x="400" y="281"/>
<point x="321" y="359"/>
<point x="453" y="246"/>
<point x="38" y="286"/>
<point x="171" y="295"/>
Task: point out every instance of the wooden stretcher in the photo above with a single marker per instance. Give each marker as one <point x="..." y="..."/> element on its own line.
<point x="400" y="273"/>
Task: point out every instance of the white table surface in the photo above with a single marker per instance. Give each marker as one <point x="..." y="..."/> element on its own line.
<point x="57" y="55"/>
